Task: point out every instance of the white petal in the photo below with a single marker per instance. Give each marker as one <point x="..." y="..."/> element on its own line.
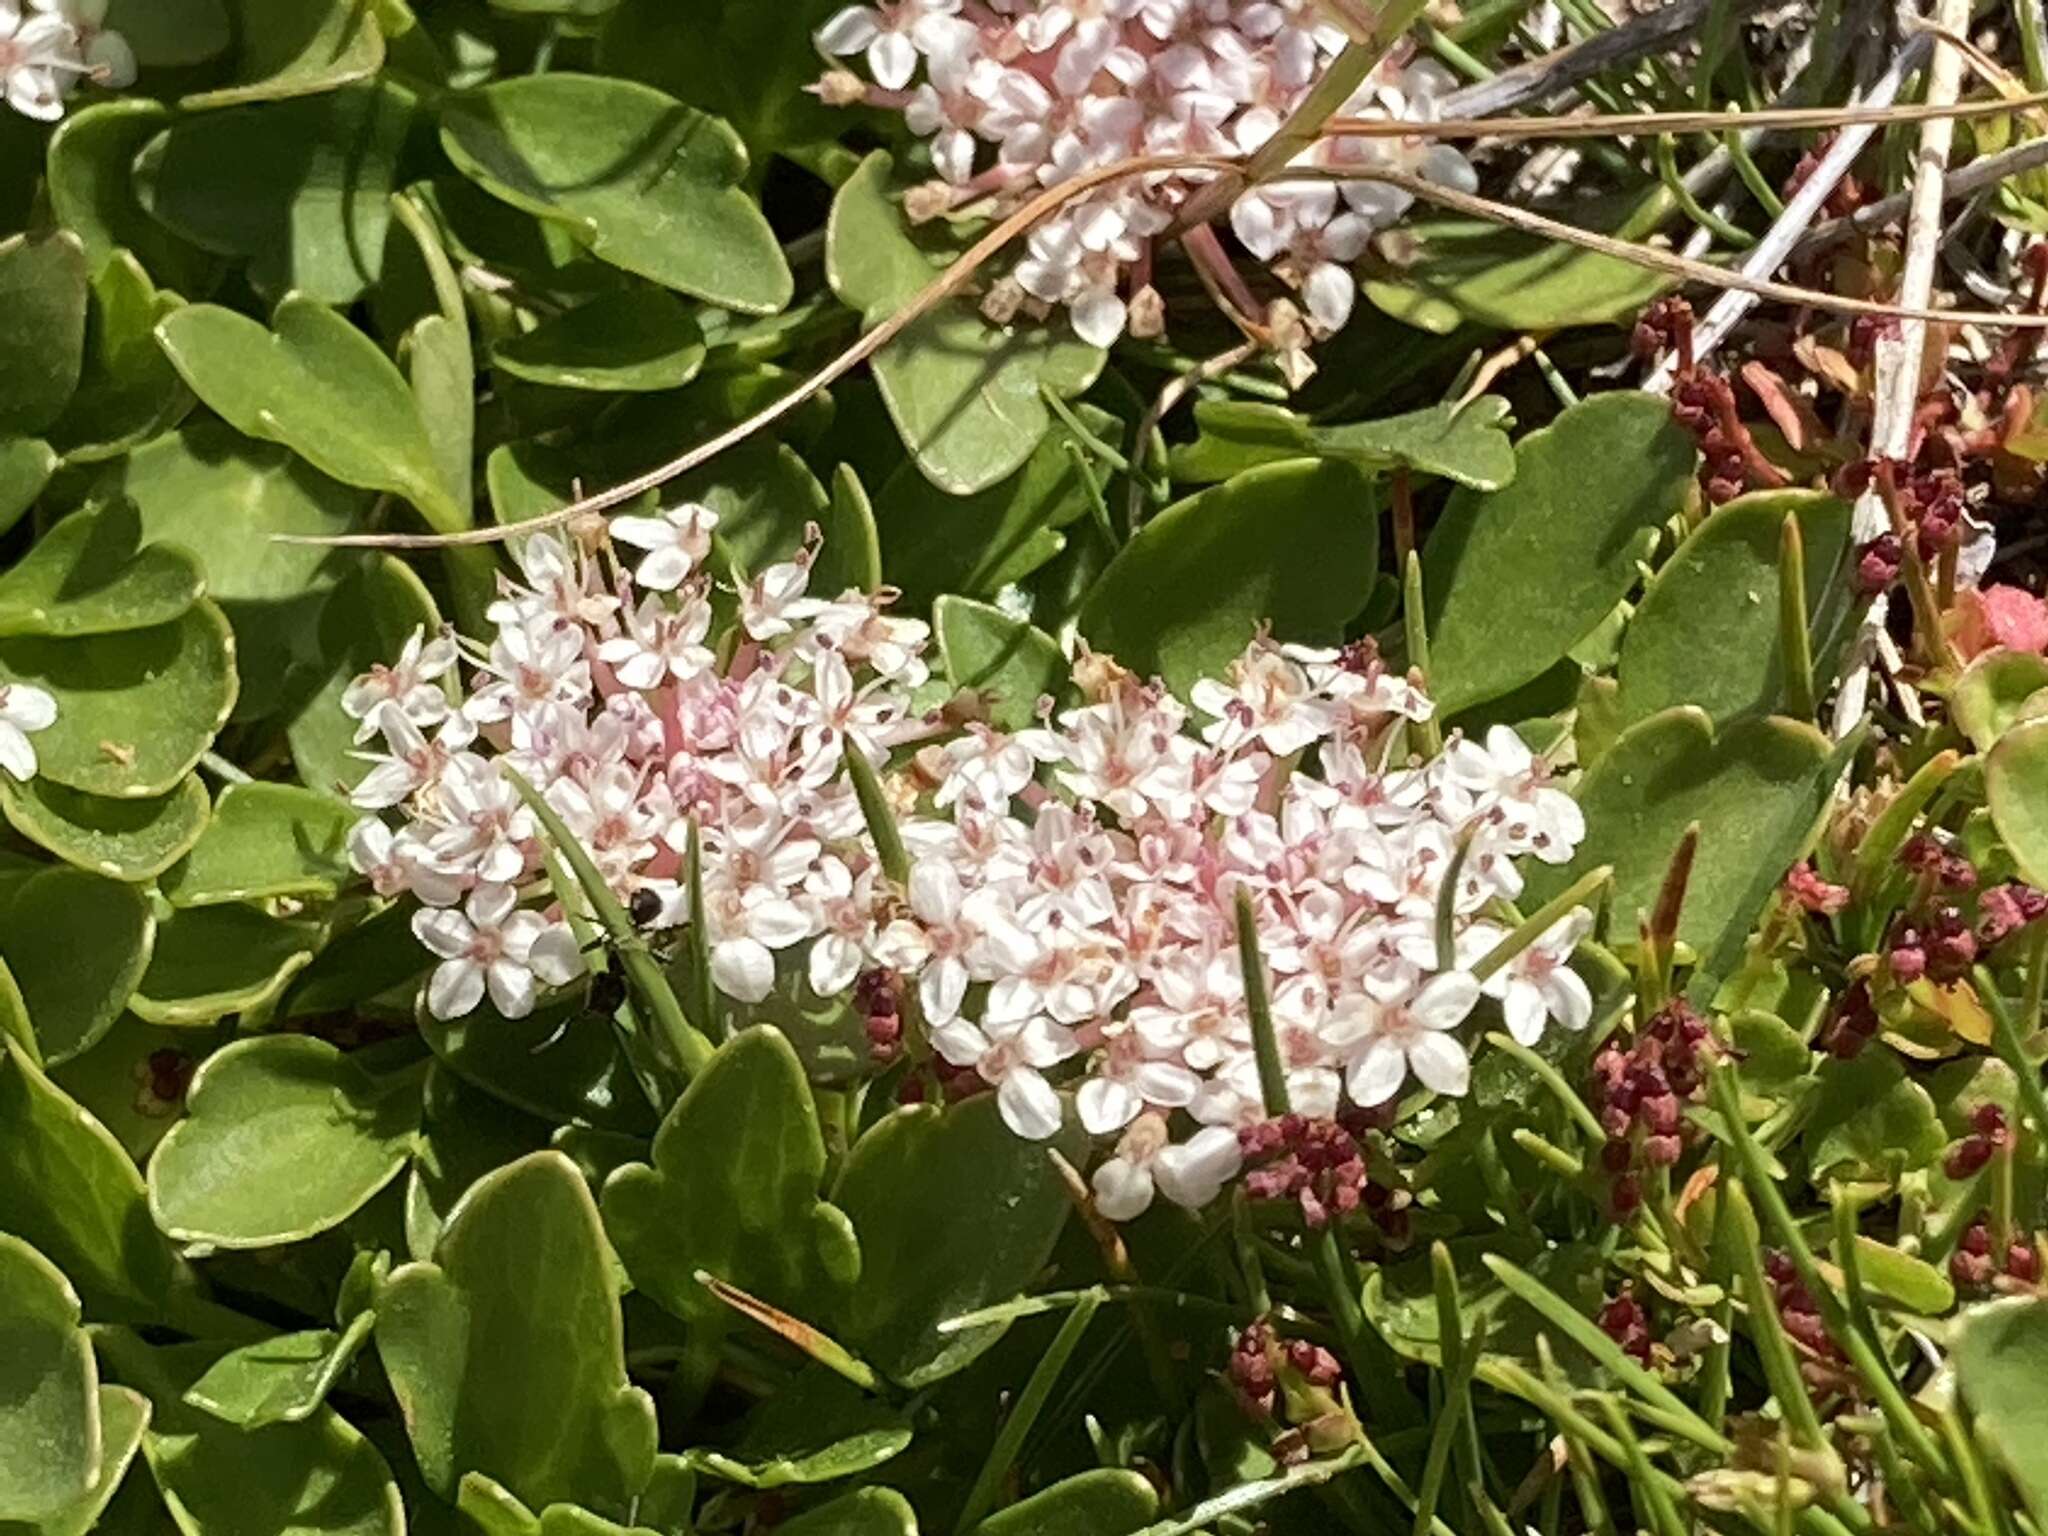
<point x="113" y="61"/>
<point x="1440" y="1061"/>
<point x="664" y="570"/>
<point x="1445" y="1001"/>
<point x="935" y="893"/>
<point x="892" y="60"/>
<point x="1565" y="994"/>
<point x="1123" y="1190"/>
<point x="941" y="988"/>
<point x="1106" y="1105"/>
<point x="1377" y="1074"/>
<point x="1330" y="292"/>
<point x="849" y="31"/>
<point x="555" y="958"/>
<point x="444" y="931"/>
<point x="834" y="963"/>
<point x="742" y="969"/>
<point x="16" y="755"/>
<point x="1522" y="1006"/>
<point x="1194" y="1172"/>
<point x="1098" y="317"/>
<point x="778" y="923"/>
<point x="455" y="988"/>
<point x="1029" y="1105"/>
<point x="512" y="988"/>
<point x="959" y="1042"/>
<point x="27" y="707"/>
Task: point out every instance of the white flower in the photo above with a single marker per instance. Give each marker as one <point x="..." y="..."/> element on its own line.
<point x="1385" y="1040"/>
<point x="1539" y="983"/>
<point x="1010" y="1056"/>
<point x="39" y="61"/>
<point x="1190" y="1174"/>
<point x="394" y="862"/>
<point x="660" y="643"/>
<point x="23" y="708"/>
<point x="492" y="944"/>
<point x="676" y="543"/>
<point x="105" y="54"/>
<point x="412" y="683"/>
<point x="891" y="35"/>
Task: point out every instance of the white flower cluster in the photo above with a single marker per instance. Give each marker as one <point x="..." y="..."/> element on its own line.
<point x="1019" y="95"/>
<point x="47" y="49"/>
<point x="1073" y="887"/>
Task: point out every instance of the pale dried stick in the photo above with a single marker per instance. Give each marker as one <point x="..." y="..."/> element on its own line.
<point x="1899" y="356"/>
<point x="1770" y="252"/>
<point x="1970" y="180"/>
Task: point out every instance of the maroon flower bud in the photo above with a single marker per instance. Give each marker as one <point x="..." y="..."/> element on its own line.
<point x="1662" y="1151"/>
<point x="1969" y="1271"/>
<point x="1976" y="1237"/>
<point x="2023" y="1262"/>
<point x="1626" y="1196"/>
<point x="1805" y="888"/>
<point x="1907" y="956"/>
<point x="1966" y="1158"/>
<point x="1878" y="564"/>
<point x="1616" y="1156"/>
<point x="1988" y="1119"/>
<point x="1806" y="1328"/>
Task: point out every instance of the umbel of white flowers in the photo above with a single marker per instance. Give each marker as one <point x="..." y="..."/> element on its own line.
<point x="1069" y="915"/>
<point x="52" y="45"/>
<point x="1014" y="96"/>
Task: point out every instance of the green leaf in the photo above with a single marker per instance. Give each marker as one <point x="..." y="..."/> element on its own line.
<point x="1464" y="444"/>
<point x="315" y="1478"/>
<point x="2000" y="1355"/>
<point x="648" y="184"/>
<point x="1707" y="629"/>
<point x="747" y="63"/>
<point x="26" y="464"/>
<point x="1518" y="576"/>
<point x="819" y="1428"/>
<point x="42" y="346"/>
<point x="636" y="340"/>
<point x="465" y="1133"/>
<point x="319" y="386"/>
<point x="91" y="575"/>
<point x="864" y="1512"/>
<point x="1293" y="545"/>
<point x="935" y="542"/>
<point x="225" y="497"/>
<point x="135" y="710"/>
<point x="558" y="1063"/>
<point x="752" y="1217"/>
<point x="852" y="555"/>
<point x="282" y="1380"/>
<point x="123" y="1417"/>
<point x="283" y="1137"/>
<point x="954" y="1211"/>
<point x="1912" y="1282"/>
<point x="93" y="188"/>
<point x="167" y="33"/>
<point x="301" y="189"/>
<point x="128" y="392"/>
<point x="1011" y="663"/>
<point x="2016" y="784"/>
<point x="1991" y="695"/>
<point x="1104" y="1501"/>
<point x="67" y="1186"/>
<point x="116" y="1081"/>
<point x="1870" y="1120"/>
<point x="266" y="840"/>
<point x="213" y="961"/>
<point x="49" y="1389"/>
<point x="441" y="368"/>
<point x="77" y="945"/>
<point x="1756" y="790"/>
<point x="1454" y="270"/>
<point x="963" y="393"/>
<point x="506" y="1353"/>
<point x="366" y="620"/>
<point x="297" y="48"/>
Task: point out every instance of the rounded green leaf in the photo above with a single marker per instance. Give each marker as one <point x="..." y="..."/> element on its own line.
<point x="1707" y="629"/>
<point x="1464" y="443"/>
<point x="954" y="1211"/>
<point x="1106" y="1501"/>
<point x="1756" y="791"/>
<point x="49" y="1389"/>
<point x="465" y="1133"/>
<point x="297" y="48"/>
<point x="93" y="185"/>
<point x="134" y="710"/>
<point x="42" y="345"/>
<point x="77" y="945"/>
<point x="300" y="189"/>
<point x="1869" y="1119"/>
<point x="2016" y="783"/>
<point x="124" y="1415"/>
<point x="284" y="1137"/>
<point x="26" y="464"/>
<point x="864" y="1512"/>
<point x="640" y="339"/>
<point x="1992" y="694"/>
<point x="558" y="1062"/>
<point x="964" y="394"/>
<point x="319" y="386"/>
<point x="225" y="498"/>
<point x="129" y="840"/>
<point x="117" y="1080"/>
<point x="68" y="1186"/>
<point x="1009" y="662"/>
<point x="507" y="1353"/>
<point x="213" y="961"/>
<point x="1518" y="576"/>
<point x="315" y="1478"/>
<point x="1292" y="545"/>
<point x="282" y="1380"/>
<point x="91" y="575"/>
<point x="2001" y="1358"/>
<point x="266" y="840"/>
<point x="647" y="183"/>
<point x="752" y="1217"/>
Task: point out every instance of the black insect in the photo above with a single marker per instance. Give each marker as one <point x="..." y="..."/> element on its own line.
<point x="644" y="908"/>
<point x="607" y="992"/>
